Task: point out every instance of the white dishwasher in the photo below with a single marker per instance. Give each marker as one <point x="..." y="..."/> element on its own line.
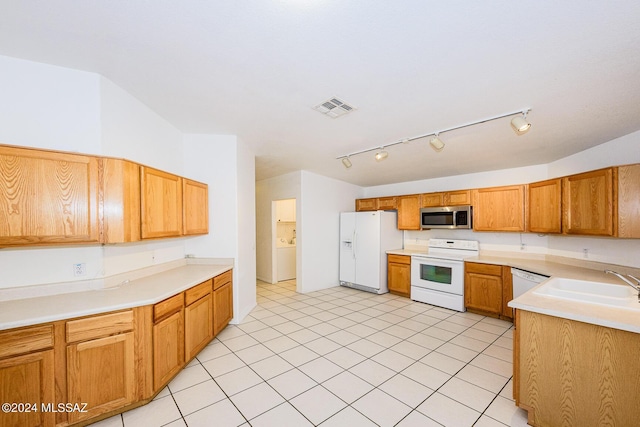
<point x="524" y="280"/>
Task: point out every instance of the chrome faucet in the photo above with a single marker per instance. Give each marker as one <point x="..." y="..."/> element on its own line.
<point x="635" y="286"/>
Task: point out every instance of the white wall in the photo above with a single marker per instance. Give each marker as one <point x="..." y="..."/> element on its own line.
<point x="228" y="167"/>
<point x="54" y="108"/>
<point x="133" y="131"/>
<point x="49" y="107"/>
<point x="287" y="186"/>
<point x="322" y="199"/>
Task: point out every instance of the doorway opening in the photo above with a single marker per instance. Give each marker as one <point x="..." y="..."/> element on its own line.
<point x="284" y="244"/>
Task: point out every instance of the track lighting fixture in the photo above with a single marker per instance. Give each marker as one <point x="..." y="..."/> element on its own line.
<point x="381" y="155"/>
<point x="519" y="124"/>
<point x="436" y="143"/>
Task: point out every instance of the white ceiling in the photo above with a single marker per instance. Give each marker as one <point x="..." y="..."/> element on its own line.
<point x="255" y="68"/>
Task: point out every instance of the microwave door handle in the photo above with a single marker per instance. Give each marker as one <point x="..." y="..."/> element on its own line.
<point x="455" y="219"/>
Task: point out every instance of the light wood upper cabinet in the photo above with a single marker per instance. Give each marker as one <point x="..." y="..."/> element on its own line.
<point x="121" y="214"/>
<point x="48" y="197"/>
<point x="431" y="200"/>
<point x="629" y="201"/>
<point x="366" y="204"/>
<point x="409" y="212"/>
<point x="499" y="208"/>
<point x="387" y="203"/>
<point x="588" y="203"/>
<point x="161" y="203"/>
<point x="544" y="213"/>
<point x="195" y="207"/>
<point x="447" y="198"/>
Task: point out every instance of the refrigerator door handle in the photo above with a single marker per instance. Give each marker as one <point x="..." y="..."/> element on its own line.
<point x="355" y="243"/>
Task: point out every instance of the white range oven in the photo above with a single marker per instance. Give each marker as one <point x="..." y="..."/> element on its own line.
<point x="437" y="277"/>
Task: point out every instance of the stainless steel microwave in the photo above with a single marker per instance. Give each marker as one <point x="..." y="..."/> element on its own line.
<point x="446" y="217"/>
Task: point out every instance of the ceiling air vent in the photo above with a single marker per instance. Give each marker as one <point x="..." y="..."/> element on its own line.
<point x="334" y="107"/>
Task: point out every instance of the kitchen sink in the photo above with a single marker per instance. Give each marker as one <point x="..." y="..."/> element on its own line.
<point x="606" y="294"/>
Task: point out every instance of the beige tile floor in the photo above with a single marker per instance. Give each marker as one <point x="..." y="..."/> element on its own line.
<point x="342" y="357"/>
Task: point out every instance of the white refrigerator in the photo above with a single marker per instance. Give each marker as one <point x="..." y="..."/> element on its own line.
<point x="365" y="237"/>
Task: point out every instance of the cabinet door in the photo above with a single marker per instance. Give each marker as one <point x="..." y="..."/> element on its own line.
<point x="222" y="307"/>
<point x="399" y="274"/>
<point x="457" y="198"/>
<point x="195" y="207"/>
<point x="101" y="373"/>
<point x="387" y="203"/>
<point x="430" y="200"/>
<point x="121" y="188"/>
<point x="366" y="205"/>
<point x="48" y="197"/>
<point x="409" y="212"/>
<point x="629" y="201"/>
<point x="168" y="348"/>
<point x="28" y="379"/>
<point x="588" y="203"/>
<point x="483" y="287"/>
<point x="483" y="292"/>
<point x="499" y="208"/>
<point x="198" y="325"/>
<point x="545" y="206"/>
<point x="161" y="204"/>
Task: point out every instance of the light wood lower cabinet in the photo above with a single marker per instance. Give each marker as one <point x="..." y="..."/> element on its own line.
<point x="110" y="361"/>
<point x="222" y="307"/>
<point x="168" y="348"/>
<point x="569" y="373"/>
<point x="28" y="378"/>
<point x="101" y="373"/>
<point x="198" y="325"/>
<point x="100" y="351"/>
<point x="27" y="374"/>
<point x="487" y="289"/>
<point x="399" y="274"/>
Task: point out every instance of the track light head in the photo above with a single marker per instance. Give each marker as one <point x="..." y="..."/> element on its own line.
<point x="346" y="162"/>
<point x="381" y="155"/>
<point x="436" y="143"/>
<point x="520" y="124"/>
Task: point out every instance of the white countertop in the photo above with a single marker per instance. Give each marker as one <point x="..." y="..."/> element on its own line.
<point x="617" y="318"/>
<point x="143" y="291"/>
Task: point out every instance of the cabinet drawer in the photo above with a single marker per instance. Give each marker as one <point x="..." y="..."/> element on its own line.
<point x="99" y="326"/>
<point x="168" y="306"/>
<point x="25" y="340"/>
<point x="490" y="269"/>
<point x="197" y="292"/>
<point x="222" y="279"/>
<point x="399" y="259"/>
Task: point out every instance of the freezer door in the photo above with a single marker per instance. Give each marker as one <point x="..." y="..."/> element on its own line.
<point x="347" y="254"/>
<point x="367" y="249"/>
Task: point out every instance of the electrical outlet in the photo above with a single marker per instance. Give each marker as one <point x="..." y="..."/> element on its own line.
<point x="79" y="269"/>
<point x="586" y="252"/>
<point x="523" y="246"/>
